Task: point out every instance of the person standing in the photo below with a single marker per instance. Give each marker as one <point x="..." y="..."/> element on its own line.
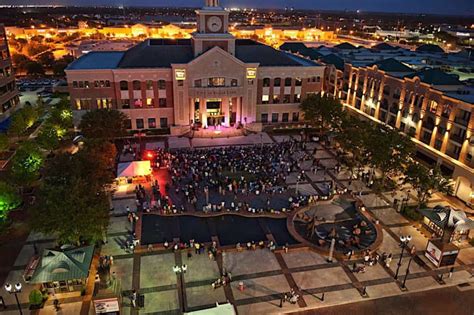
<point x="133" y="298"/>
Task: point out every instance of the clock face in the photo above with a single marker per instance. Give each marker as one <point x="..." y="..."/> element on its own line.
<point x="214" y="24"/>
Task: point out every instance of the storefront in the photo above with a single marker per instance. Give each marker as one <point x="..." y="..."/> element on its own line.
<point x="447" y="223"/>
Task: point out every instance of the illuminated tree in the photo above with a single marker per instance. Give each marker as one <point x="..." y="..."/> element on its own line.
<point x="26" y="164"/>
<point x="9" y="199"/>
<point x="426" y="181"/>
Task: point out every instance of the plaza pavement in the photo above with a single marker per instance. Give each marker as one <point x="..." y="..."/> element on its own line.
<point x="266" y="275"/>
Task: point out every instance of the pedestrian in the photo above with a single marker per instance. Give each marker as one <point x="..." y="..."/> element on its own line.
<point x="133" y="298"/>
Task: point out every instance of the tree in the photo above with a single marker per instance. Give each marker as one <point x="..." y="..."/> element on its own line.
<point x="103" y="124"/>
<point x="323" y="110"/>
<point x="46" y="59"/>
<point x="4" y="142"/>
<point x="58" y="68"/>
<point x="34" y="68"/>
<point x="23" y="119"/>
<point x="9" y="199"/>
<point x="388" y="150"/>
<point x="20" y="61"/>
<point x="72" y="211"/>
<point x="26" y="164"/>
<point x="73" y="202"/>
<point x="49" y="137"/>
<point x="425" y="181"/>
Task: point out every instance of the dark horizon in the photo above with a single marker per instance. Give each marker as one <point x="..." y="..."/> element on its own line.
<point x="434" y="7"/>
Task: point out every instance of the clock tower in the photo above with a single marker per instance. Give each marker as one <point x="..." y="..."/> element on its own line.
<point x="212" y="29"/>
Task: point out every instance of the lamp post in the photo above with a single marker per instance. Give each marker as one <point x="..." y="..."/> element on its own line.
<point x="14" y="290"/>
<point x="404" y="240"/>
<point x="412" y="255"/>
<point x="179" y="270"/>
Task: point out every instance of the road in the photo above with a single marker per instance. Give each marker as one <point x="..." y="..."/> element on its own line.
<point x="448" y="300"/>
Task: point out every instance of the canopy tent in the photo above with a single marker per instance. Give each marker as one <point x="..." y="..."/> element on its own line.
<point x="62" y="265"/>
<point x="132" y="169"/>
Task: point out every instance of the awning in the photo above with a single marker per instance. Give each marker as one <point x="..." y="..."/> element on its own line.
<point x="135" y="168"/>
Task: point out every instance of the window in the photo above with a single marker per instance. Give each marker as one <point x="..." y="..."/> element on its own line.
<point x="277" y="82"/>
<point x="151" y="123"/>
<point x="274" y="117"/>
<point x="86" y="84"/>
<point x="107" y="83"/>
<point x="233" y="82"/>
<point x="149" y="84"/>
<point x="138" y="103"/>
<point x="264" y="118"/>
<point x="162" y="102"/>
<point x="198" y="83"/>
<point x="288" y="81"/>
<point x="265" y="98"/>
<point x="297" y="98"/>
<point x="126" y="103"/>
<point x="81" y="84"/>
<point x="123" y="86"/>
<point x="438" y="143"/>
<point x="285" y="117"/>
<point x="216" y="82"/>
<point x="298" y="82"/>
<point x="266" y="82"/>
<point x="250" y="81"/>
<point x="286" y="98"/>
<point x="276" y="98"/>
<point x="296" y="117"/>
<point x="164" y="122"/>
<point x="128" y="124"/>
<point x="162" y="84"/>
<point x="180" y="83"/>
<point x="78" y="104"/>
<point x="139" y="122"/>
<point x="149" y="102"/>
<point x="137" y="86"/>
<point x="74" y="84"/>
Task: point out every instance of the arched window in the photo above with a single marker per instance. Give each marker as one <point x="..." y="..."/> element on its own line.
<point x="233" y="82"/>
<point x="137" y="85"/>
<point x="266" y="82"/>
<point x="123" y="86"/>
<point x="288" y="81"/>
<point x="298" y="82"/>
<point x="277" y="82"/>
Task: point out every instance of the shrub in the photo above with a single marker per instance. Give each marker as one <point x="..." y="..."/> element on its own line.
<point x="411" y="213"/>
<point x="36" y="297"/>
<point x="9" y="200"/>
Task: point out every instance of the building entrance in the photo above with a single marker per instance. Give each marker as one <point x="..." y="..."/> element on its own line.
<point x="215" y="116"/>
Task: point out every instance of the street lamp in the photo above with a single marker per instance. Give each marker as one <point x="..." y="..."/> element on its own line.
<point x="412" y="255"/>
<point x="404" y="240"/>
<point x="14" y="290"/>
<point x="179" y="270"/>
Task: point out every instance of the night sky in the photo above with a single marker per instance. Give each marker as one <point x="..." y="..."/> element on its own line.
<point x="465" y="7"/>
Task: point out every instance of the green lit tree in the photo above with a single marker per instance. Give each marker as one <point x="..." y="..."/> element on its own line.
<point x="9" y="199"/>
<point x="103" y="124"/>
<point x="26" y="164"/>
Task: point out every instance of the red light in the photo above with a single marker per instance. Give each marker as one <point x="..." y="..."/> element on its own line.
<point x="150" y="155"/>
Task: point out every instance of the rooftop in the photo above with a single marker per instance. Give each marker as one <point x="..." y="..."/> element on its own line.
<point x="333" y="60"/>
<point x="392" y="65"/>
<point x="62" y="265"/>
<point x="97" y="60"/>
<point x="161" y="53"/>
<point x="436" y="77"/>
